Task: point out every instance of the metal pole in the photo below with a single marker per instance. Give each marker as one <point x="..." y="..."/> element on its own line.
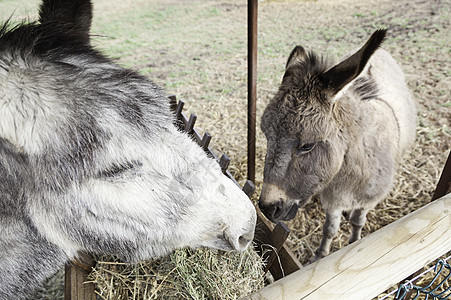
<point x="252" y="87"/>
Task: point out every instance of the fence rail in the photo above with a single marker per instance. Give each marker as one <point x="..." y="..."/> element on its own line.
<point x="371" y="265"/>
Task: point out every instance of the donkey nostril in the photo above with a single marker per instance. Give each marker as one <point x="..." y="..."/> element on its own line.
<point x="243" y="241"/>
<point x="277" y="210"/>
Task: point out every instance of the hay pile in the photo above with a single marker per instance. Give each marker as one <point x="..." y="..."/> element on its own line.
<point x="185" y="274"/>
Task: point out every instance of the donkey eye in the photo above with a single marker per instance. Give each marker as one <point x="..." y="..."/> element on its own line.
<point x="304" y="148"/>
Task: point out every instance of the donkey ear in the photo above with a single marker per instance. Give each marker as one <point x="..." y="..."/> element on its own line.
<point x="76" y="13"/>
<point x="346" y="71"/>
<point x="298" y="53"/>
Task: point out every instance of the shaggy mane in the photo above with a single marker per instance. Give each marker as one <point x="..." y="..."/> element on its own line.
<point x="310" y="66"/>
<point x="46" y="40"/>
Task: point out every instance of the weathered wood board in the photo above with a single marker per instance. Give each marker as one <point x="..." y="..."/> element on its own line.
<point x="371" y="265"/>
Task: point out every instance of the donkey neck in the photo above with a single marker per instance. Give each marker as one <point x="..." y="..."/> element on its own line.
<point x="366" y="126"/>
<point x="350" y="117"/>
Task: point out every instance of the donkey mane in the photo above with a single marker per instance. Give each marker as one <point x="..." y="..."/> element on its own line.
<point x="311" y="64"/>
<point x="365" y="88"/>
<point x="305" y="71"/>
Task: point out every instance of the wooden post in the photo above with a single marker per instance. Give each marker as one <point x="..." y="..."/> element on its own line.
<point x="77" y="272"/>
<point x="371" y="265"/>
<point x="284" y="262"/>
<point x="224" y="163"/>
<point x="444" y="183"/>
<point x="190" y="125"/>
<point x="252" y="87"/>
<point x="205" y="142"/>
<point x="277" y="239"/>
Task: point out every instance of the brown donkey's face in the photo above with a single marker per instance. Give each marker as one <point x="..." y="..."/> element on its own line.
<point x="303" y="154"/>
<point x="303" y="145"/>
<point x="304" y="129"/>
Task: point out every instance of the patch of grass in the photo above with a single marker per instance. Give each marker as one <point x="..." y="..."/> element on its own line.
<point x="18" y="9"/>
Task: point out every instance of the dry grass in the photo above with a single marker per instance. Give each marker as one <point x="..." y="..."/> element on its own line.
<point x="185" y="274"/>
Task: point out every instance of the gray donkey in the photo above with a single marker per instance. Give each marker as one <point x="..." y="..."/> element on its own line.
<point x="338" y="132"/>
<point x="90" y="159"/>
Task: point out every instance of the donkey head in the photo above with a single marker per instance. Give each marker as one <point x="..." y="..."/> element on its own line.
<point x="305" y="146"/>
<point x="109" y="171"/>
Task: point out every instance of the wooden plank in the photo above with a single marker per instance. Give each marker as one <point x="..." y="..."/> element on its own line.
<point x="197" y="137"/>
<point x="371" y="265"/>
<point x="285" y="262"/>
<point x="228" y="174"/>
<point x="76" y="276"/>
<point x="276" y="238"/>
<point x="443" y="188"/>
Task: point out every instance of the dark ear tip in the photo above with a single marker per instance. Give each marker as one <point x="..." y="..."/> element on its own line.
<point x="299" y="49"/>
<point x="380" y="34"/>
<point x="297" y="52"/>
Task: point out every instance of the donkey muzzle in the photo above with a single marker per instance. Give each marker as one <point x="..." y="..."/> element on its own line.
<point x="279" y="210"/>
<point x="274" y="204"/>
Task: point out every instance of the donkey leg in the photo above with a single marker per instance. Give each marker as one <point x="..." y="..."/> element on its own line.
<point x="330" y="228"/>
<point x="358" y="219"/>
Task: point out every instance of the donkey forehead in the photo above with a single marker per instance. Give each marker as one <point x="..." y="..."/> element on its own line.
<point x="304" y="120"/>
<point x="302" y="92"/>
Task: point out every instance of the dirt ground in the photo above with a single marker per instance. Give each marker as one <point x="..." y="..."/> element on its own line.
<point x="197" y="50"/>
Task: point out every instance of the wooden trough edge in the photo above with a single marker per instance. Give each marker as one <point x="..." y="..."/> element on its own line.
<point x="368" y="267"/>
<point x="270" y="240"/>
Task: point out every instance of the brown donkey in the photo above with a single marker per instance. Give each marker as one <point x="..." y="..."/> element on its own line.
<point x="338" y="132"/>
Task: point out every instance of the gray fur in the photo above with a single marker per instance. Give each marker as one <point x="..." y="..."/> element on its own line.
<point x="337" y="132"/>
<point x="90" y="159"/>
